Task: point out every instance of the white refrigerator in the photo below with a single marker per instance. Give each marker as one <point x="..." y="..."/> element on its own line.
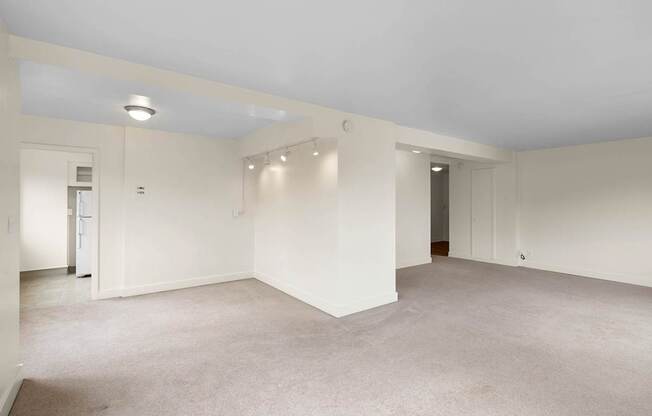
<point x="84" y="230"/>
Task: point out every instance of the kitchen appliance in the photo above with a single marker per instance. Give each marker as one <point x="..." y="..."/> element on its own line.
<point x="84" y="233"/>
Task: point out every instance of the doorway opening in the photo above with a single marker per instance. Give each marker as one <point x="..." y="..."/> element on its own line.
<point x="57" y="226"/>
<point x="439" y="204"/>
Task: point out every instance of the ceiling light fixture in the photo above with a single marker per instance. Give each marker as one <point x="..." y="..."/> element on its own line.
<point x="251" y="165"/>
<point x="315" y="150"/>
<point x="267" y="161"/>
<point x="140" y="113"/>
<point x="437" y="168"/>
<point x="416" y="151"/>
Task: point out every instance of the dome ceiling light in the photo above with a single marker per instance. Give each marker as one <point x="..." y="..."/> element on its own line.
<point x="140" y="113"/>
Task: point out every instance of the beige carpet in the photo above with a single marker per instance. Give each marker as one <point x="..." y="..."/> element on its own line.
<point x="46" y="288"/>
<point x="465" y="339"/>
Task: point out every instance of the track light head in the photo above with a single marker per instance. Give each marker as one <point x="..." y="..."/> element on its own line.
<point x="315" y="150"/>
<point x="267" y="161"/>
<point x="285" y="155"/>
<point x="250" y="164"/>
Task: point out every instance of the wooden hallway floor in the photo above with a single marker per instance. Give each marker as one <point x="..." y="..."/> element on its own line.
<point x="439" y="248"/>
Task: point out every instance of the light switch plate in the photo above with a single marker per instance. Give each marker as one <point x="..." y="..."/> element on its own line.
<point x="12" y="224"/>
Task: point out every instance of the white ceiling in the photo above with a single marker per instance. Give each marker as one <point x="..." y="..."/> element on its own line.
<point x="61" y="93"/>
<point x="513" y="73"/>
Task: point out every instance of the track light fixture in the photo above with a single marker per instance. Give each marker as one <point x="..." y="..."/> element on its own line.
<point x="285" y="155"/>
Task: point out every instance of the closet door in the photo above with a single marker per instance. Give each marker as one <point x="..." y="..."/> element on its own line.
<point x="482" y="214"/>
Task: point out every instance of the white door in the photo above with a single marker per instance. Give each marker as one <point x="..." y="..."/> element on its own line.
<point x="482" y="214"/>
<point x="84" y="230"/>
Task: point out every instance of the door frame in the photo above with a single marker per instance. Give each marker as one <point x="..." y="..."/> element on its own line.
<point x="95" y="184"/>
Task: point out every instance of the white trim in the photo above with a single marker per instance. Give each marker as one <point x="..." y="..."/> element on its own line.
<point x="298" y="293"/>
<point x="632" y="279"/>
<point x="513" y="263"/>
<point x="414" y="262"/>
<point x="10" y="393"/>
<point x="95" y="185"/>
<point x="109" y="294"/>
<point x="182" y="284"/>
<point x="336" y="310"/>
<point x="367" y="303"/>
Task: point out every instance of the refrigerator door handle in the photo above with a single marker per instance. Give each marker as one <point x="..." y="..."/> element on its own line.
<point x="79" y="233"/>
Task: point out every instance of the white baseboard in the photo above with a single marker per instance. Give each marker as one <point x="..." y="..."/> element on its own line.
<point x="333" y="309"/>
<point x="9" y="395"/>
<point x="503" y="262"/>
<point x="639" y="280"/>
<point x="108" y="294"/>
<point x="173" y="285"/>
<point x="183" y="284"/>
<point x="295" y="292"/>
<point x="631" y="279"/>
<point x="413" y="262"/>
<point x="336" y="310"/>
<point x="370" y="302"/>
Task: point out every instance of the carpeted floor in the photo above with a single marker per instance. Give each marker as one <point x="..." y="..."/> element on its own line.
<point x="44" y="288"/>
<point x="465" y="338"/>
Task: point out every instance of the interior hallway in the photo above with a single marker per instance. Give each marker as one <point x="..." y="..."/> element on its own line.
<point x="439" y="248"/>
<point x="52" y="288"/>
<point x="465" y="338"/>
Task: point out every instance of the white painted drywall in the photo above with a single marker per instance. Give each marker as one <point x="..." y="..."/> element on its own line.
<point x="587" y="210"/>
<point x="182" y="228"/>
<point x="44" y="207"/>
<point x="439" y="203"/>
<point x="504" y="236"/>
<point x="367" y="214"/>
<point x="9" y="240"/>
<point x="184" y="233"/>
<point x="366" y="204"/>
<point x="412" y="209"/>
<point x="346" y="201"/>
<point x="109" y="142"/>
<point x="296" y="224"/>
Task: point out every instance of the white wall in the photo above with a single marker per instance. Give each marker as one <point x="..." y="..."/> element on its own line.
<point x="44" y="207"/>
<point x="296" y="224"/>
<point x="182" y="230"/>
<point x="439" y="205"/>
<point x="587" y="210"/>
<point x="412" y="209"/>
<point x="460" y="222"/>
<point x="9" y="242"/>
<point x="109" y="142"/>
<point x="367" y="215"/>
<point x="351" y="199"/>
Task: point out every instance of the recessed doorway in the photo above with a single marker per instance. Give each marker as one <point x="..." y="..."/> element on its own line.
<point x="439" y="204"/>
<point x="57" y="226"/>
